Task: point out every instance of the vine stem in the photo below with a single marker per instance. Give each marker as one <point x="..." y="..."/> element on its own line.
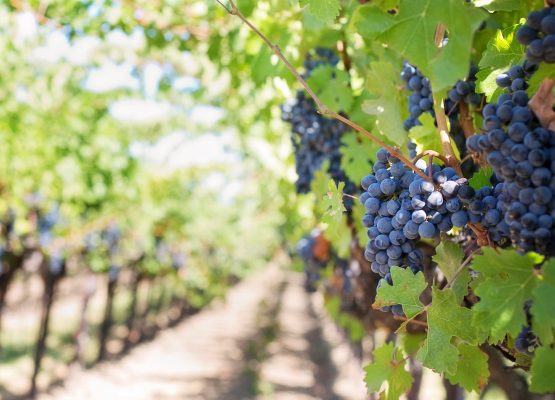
<point x="350" y="195"/>
<point x="411" y="321"/>
<point x="466" y="120"/>
<point x="446" y="145"/>
<point x="462" y="266"/>
<point x="431" y="153"/>
<point x="322" y="108"/>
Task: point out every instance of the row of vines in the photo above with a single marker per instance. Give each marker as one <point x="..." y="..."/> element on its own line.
<point x="88" y="220"/>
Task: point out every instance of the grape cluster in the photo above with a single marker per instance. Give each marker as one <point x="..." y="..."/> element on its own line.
<point x="316" y="139"/>
<point x="522" y="155"/>
<point x="402" y="207"/>
<point x="538" y="35"/>
<point x="526" y="341"/>
<point x="464" y="90"/>
<point x="111" y="236"/>
<point x="515" y="78"/>
<point x="421" y="99"/>
<point x="312" y="266"/>
<point x="45" y="225"/>
<point x="56" y="263"/>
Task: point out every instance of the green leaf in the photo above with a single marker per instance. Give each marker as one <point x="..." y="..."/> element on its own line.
<point x="545" y="71"/>
<point x="356" y="156"/>
<point x="358" y="213"/>
<point x="411" y="342"/>
<point x="498" y="5"/>
<point x="320" y="183"/>
<point x="485" y="83"/>
<point x="333" y="202"/>
<point x="406" y="290"/>
<point x="481" y="178"/>
<point x="414" y="31"/>
<point x="449" y="257"/>
<point x="369" y="21"/>
<point x="472" y="370"/>
<point x="543" y="371"/>
<point x="446" y="319"/>
<point x="388" y="102"/>
<point x="324" y="10"/>
<point x="332" y="87"/>
<point x="261" y="66"/>
<point x="426" y="136"/>
<point x="501" y="53"/>
<point x="508" y="283"/>
<point x="509" y="5"/>
<point x="543" y="311"/>
<point x="332" y="207"/>
<point x="503" y="50"/>
<point x="340" y="234"/>
<point x="388" y="366"/>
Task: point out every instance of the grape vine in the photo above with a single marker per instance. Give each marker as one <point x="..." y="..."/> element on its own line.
<point x="450" y="245"/>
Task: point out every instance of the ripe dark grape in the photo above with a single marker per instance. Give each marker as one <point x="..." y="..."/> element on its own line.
<point x="538" y="35"/>
<point x="316" y="139"/>
<point x="523" y="164"/>
<point x="312" y="265"/>
<point x="526" y="341"/>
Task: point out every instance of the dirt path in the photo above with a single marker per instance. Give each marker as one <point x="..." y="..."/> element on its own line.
<point x="309" y="359"/>
<point x="266" y="338"/>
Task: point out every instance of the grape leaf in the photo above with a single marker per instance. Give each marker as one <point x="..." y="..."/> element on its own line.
<point x="332" y="87"/>
<point x="406" y="290"/>
<point x="545" y="71"/>
<point x="543" y="371"/>
<point x="333" y="203"/>
<point x="426" y="136"/>
<point x="501" y="53"/>
<point x="498" y="5"/>
<point x="340" y="235"/>
<point x="388" y="366"/>
<point x="472" y="370"/>
<point x="411" y="342"/>
<point x="320" y="182"/>
<point x="503" y="50"/>
<point x="481" y="178"/>
<point x="387" y="102"/>
<point x="358" y="213"/>
<point x="369" y="21"/>
<point x="449" y="257"/>
<point x="356" y="156"/>
<point x="543" y="311"/>
<point x="332" y="208"/>
<point x="508" y="283"/>
<point x="324" y="10"/>
<point x="446" y="319"/>
<point x="485" y="83"/>
<point x="413" y="34"/>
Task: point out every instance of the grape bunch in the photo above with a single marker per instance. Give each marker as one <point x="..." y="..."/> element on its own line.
<point x="111" y="236"/>
<point x="538" y="35"/>
<point x="522" y="155"/>
<point x="316" y="139"/>
<point x="421" y="99"/>
<point x="45" y="225"/>
<point x="402" y="207"/>
<point x="526" y="341"/>
<point x="515" y="78"/>
<point x="464" y="90"/>
<point x="312" y="265"/>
